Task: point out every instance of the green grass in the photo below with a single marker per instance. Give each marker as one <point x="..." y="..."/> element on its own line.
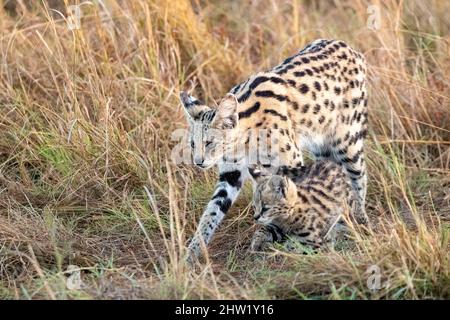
<point x="86" y="176"/>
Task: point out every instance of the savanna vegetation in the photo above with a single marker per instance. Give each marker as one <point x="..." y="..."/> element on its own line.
<point x="88" y="187"/>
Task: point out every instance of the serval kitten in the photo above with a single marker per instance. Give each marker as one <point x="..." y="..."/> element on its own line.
<point x="303" y="204"/>
<point x="315" y="100"/>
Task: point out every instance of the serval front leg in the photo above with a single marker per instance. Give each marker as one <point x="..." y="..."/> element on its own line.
<point x="231" y="178"/>
<point x="350" y="154"/>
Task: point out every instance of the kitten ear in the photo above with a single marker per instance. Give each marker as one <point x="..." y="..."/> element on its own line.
<point x="255" y="172"/>
<point x="227" y="115"/>
<point x="259" y="171"/>
<point x="189" y="103"/>
<point x="284" y="186"/>
<point x="291" y="189"/>
<point x="278" y="185"/>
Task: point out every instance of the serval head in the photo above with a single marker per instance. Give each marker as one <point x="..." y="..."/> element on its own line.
<point x="272" y="195"/>
<point x="212" y="131"/>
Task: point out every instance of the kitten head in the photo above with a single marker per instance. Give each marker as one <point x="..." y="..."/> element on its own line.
<point x="272" y="194"/>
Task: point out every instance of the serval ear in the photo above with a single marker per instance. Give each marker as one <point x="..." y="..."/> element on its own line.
<point x="256" y="172"/>
<point x="190" y="104"/>
<point x="259" y="171"/>
<point x="284" y="187"/>
<point x="226" y="114"/>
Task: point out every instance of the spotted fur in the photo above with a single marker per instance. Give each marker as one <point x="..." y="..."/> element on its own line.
<point x="315" y="100"/>
<point x="304" y="204"/>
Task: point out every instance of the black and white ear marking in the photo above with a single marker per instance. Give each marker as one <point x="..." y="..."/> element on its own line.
<point x="279" y="185"/>
<point x="188" y="102"/>
<point x="227" y="112"/>
<point x="255" y="172"/>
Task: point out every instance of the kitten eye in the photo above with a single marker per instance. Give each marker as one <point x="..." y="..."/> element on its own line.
<point x="192" y="144"/>
<point x="208" y="143"/>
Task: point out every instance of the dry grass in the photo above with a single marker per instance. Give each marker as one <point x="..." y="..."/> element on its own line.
<point x="86" y="177"/>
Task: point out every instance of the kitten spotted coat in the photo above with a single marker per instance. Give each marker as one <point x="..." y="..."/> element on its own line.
<point x="304" y="204"/>
<point x="315" y="100"/>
